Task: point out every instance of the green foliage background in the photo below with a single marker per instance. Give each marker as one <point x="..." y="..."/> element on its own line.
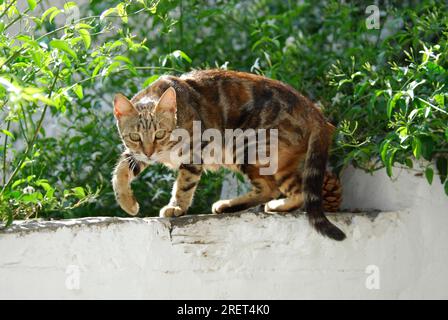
<point x="385" y="89"/>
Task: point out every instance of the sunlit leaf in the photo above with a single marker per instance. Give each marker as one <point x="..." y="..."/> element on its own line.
<point x="150" y="80"/>
<point x="69" y="5"/>
<point x="123" y="58"/>
<point x="183" y="55"/>
<point x="107" y="12"/>
<point x="79" y="192"/>
<point x="31" y="4"/>
<point x="78" y="91"/>
<point x="416" y="147"/>
<point x="64" y="46"/>
<point x="85" y="35"/>
<point x="121" y="10"/>
<point x="8" y="133"/>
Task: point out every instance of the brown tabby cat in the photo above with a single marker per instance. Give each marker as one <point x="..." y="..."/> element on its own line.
<point x="227" y="100"/>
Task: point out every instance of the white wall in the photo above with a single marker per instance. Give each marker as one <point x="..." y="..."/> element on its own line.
<point x="240" y="256"/>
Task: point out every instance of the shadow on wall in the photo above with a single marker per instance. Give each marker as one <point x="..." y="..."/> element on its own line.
<point x="406" y="190"/>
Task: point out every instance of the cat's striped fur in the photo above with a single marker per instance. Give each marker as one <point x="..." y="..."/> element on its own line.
<point x="228" y="100"/>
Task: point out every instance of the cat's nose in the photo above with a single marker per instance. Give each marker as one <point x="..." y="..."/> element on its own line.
<point x="148" y="153"/>
<point x="148" y="150"/>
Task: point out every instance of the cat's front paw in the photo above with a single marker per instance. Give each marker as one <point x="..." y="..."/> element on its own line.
<point x="128" y="204"/>
<point x="220" y="206"/>
<point x="169" y="211"/>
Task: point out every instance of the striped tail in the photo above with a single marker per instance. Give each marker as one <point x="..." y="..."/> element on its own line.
<point x="314" y="171"/>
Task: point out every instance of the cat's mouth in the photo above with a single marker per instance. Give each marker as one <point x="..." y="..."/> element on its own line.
<point x="143" y="158"/>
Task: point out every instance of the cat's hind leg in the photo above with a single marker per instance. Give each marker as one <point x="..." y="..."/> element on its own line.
<point x="264" y="189"/>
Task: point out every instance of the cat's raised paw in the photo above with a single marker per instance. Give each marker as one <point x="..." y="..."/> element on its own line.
<point x="171" y="211"/>
<point x="129" y="204"/>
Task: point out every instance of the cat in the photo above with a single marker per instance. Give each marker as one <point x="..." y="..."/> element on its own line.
<point x="222" y="99"/>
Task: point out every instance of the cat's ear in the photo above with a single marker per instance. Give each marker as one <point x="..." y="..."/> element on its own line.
<point x="167" y="102"/>
<point x="123" y="107"/>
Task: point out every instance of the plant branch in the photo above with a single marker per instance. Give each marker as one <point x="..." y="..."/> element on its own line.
<point x="34" y="138"/>
<point x="19" y="17"/>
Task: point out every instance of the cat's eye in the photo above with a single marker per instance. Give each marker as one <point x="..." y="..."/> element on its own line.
<point x="134" y="136"/>
<point x="160" y="134"/>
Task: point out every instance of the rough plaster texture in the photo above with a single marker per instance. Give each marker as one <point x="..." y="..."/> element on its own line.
<point x="248" y="255"/>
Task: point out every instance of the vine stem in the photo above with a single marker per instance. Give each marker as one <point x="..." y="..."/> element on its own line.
<point x="33" y="139"/>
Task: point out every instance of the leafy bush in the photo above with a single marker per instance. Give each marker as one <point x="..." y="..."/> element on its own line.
<point x="391" y="107"/>
<point x="385" y="89"/>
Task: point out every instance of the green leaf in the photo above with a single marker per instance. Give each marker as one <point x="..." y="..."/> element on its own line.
<point x="53" y="15"/>
<point x="429" y="174"/>
<point x="31" y="198"/>
<point x="77" y="89"/>
<point x="390" y="162"/>
<point x="427" y="147"/>
<point x="31" y="4"/>
<point x="124" y="59"/>
<point x="446" y="187"/>
<point x="150" y="80"/>
<point x="121" y="9"/>
<point x="85" y="36"/>
<point x="412" y="114"/>
<point x="27" y="39"/>
<point x="442" y="168"/>
<point x="83" y="26"/>
<point x="180" y="53"/>
<point x="392" y="102"/>
<point x="9" y="134"/>
<point x="18" y="182"/>
<point x="44" y="184"/>
<point x="52" y="12"/>
<point x="79" y="192"/>
<point x="114" y="45"/>
<point x="69" y="5"/>
<point x="49" y="194"/>
<point x="153" y="8"/>
<point x="383" y="151"/>
<point x="64" y="46"/>
<point x="416" y="147"/>
<point x="107" y="12"/>
<point x="111" y="68"/>
<point x="440" y="100"/>
<point x="96" y="70"/>
<point x="409" y="163"/>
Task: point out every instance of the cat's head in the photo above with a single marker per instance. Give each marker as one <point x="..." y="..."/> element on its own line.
<point x="145" y="131"/>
